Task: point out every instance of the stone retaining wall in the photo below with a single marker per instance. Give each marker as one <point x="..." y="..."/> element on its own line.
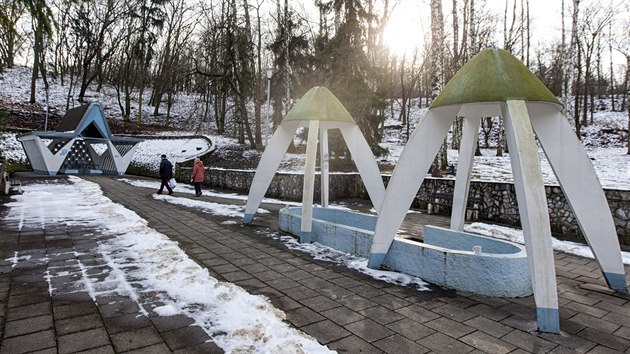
<point x="488" y="201"/>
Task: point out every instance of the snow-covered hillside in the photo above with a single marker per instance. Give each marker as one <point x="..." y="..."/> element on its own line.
<point x="604" y="140"/>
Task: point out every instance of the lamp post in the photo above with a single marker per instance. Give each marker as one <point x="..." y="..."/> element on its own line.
<point x="269" y="72"/>
<point x="208" y="101"/>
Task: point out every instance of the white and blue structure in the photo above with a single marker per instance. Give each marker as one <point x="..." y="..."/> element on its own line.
<point x="494" y="83"/>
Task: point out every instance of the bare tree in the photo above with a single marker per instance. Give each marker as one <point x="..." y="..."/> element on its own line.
<point x="596" y="19"/>
<point x="570" y="66"/>
<point x="42" y="22"/>
<point x="179" y="28"/>
<point x="92" y="28"/>
<point x="623" y="46"/>
<point x="612" y="73"/>
<point x="440" y="164"/>
<point x="10" y="13"/>
<point x="150" y="18"/>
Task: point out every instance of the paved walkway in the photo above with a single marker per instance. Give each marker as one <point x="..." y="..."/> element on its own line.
<point x="345" y="310"/>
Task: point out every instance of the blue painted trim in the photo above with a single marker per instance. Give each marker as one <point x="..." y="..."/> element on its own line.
<point x="548" y="320"/>
<point x="375" y="260"/>
<point x="306" y="237"/>
<point x="248" y="218"/>
<point x="616" y="281"/>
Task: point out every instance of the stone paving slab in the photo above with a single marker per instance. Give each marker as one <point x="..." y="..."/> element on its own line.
<point x="37" y="316"/>
<point x="341" y="308"/>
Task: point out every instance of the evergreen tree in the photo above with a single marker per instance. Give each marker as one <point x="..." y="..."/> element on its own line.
<point x="345" y="69"/>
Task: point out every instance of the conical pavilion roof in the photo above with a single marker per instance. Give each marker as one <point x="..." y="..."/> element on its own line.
<point x="319" y="104"/>
<point x="493" y="75"/>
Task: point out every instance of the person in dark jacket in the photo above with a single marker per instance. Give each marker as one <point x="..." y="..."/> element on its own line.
<point x="166" y="173"/>
<point x="197" y="175"/>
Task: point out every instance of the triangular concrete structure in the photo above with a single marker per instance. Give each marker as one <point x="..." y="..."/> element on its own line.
<point x="495" y="83"/>
<point x="72" y="149"/>
<point x="319" y="110"/>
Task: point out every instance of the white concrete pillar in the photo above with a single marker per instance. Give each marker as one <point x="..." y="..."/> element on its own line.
<point x="413" y="165"/>
<point x="309" y="177"/>
<point x="365" y="162"/>
<point x="267" y="167"/>
<point x="324" y="166"/>
<point x="532" y="205"/>
<point x="579" y="182"/>
<point x="467" y="148"/>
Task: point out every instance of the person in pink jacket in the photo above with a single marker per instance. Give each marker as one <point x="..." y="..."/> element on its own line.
<point x="197" y="175"/>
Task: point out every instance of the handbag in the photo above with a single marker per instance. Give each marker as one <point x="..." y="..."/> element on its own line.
<point x="172" y="183"/>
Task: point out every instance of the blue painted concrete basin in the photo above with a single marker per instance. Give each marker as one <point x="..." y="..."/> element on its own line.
<point x="451" y="259"/>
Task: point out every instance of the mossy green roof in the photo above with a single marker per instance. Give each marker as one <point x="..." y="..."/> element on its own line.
<point x="319" y="104"/>
<point x="493" y="75"/>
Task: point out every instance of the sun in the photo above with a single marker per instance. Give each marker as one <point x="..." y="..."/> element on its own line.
<point x="404" y="32"/>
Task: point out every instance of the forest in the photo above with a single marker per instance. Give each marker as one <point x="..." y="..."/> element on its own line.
<point x="227" y="52"/>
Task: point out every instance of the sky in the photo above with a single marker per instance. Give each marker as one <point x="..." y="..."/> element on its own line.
<point x="412" y="17"/>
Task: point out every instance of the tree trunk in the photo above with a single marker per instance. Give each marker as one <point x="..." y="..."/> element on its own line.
<point x="403" y="93"/>
<point x="458" y="127"/>
<point x="37" y="49"/>
<point x="628" y="97"/>
<point x="259" y="83"/>
<point x="528" y="37"/>
<point x="570" y="65"/>
<point x="576" y="108"/>
<point x="287" y="77"/>
<point x="440" y="164"/>
<point x="455" y="63"/>
<point x="612" y="75"/>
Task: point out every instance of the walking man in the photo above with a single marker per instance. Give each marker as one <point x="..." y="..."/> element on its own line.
<point x="166" y="173"/>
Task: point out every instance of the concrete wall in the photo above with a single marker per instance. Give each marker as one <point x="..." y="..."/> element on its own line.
<point x="490" y="201"/>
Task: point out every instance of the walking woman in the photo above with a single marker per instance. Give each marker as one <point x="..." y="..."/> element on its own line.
<point x="197" y="174"/>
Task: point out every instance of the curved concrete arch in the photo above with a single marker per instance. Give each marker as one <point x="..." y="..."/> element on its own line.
<point x="408" y="175"/>
<point x="365" y="162"/>
<point x="579" y="182"/>
<point x="269" y="162"/>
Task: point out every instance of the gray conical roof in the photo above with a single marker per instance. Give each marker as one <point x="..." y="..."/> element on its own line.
<point x="319" y="104"/>
<point x="493" y="75"/>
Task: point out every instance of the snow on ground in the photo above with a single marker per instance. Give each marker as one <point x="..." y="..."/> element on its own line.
<point x="149" y="151"/>
<point x="604" y="139"/>
<point x="516" y="235"/>
<point x="189" y="189"/>
<point x="237" y="321"/>
<point x="317" y="250"/>
<point x="329" y="254"/>
<point x="237" y="211"/>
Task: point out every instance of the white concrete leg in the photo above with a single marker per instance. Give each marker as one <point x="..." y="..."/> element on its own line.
<point x="324" y="167"/>
<point x="582" y="189"/>
<point x="269" y="162"/>
<point x="309" y="177"/>
<point x="532" y="205"/>
<point x="464" y="168"/>
<point x="366" y="164"/>
<point x="412" y="168"/>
